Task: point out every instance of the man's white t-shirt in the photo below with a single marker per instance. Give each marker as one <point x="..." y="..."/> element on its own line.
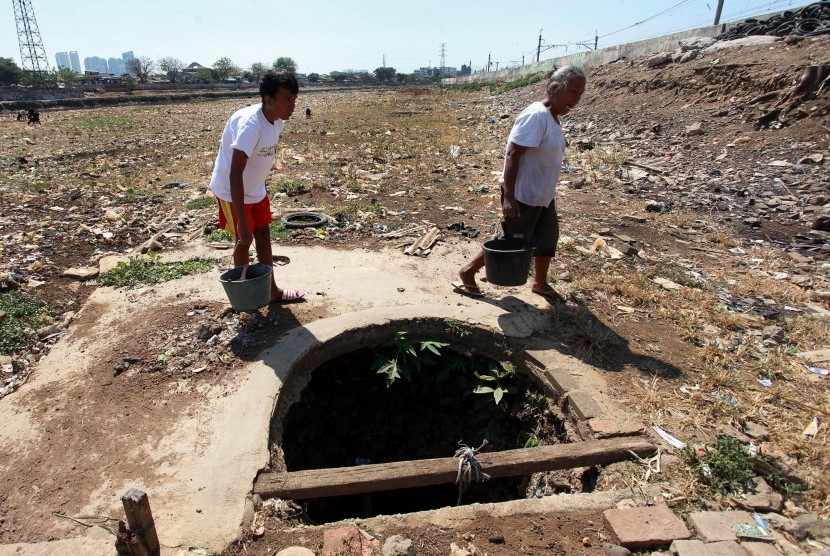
<point x="541" y="164"/>
<point x="249" y="131"/>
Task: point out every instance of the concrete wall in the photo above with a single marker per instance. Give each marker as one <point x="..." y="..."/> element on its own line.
<point x="23" y="93"/>
<point x="666" y="43"/>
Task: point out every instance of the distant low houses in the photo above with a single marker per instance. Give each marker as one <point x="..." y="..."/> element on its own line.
<point x="193" y="68"/>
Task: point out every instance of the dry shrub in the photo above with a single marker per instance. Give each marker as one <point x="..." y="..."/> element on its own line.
<point x="583" y="333"/>
<point x="635" y="290"/>
<point x="730" y="320"/>
<point x="722" y="237"/>
<point x="747" y="285"/>
<point x="808" y="332"/>
<point x="591" y="339"/>
<point x="723" y="375"/>
<point x="651" y="397"/>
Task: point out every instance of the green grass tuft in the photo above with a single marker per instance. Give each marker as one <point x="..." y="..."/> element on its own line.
<point x="22" y="312"/>
<point x="98" y="123"/>
<point x="201" y="202"/>
<point x="147" y="271"/>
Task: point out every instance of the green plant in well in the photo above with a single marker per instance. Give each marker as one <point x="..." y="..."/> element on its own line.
<point x="492" y="381"/>
<point x="456" y="327"/>
<point x="399" y="357"/>
<point x="149" y="270"/>
<point x="726" y="465"/>
<point x="21" y="313"/>
<point x="535" y="401"/>
<point x="532" y="442"/>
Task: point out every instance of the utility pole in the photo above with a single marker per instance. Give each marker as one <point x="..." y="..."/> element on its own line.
<point x="539" y="46"/>
<point x="384" y="60"/>
<point x="718" y="12"/>
<point x="32" y="54"/>
<point x="488" y="61"/>
<point x="497" y="65"/>
<point x="443" y="57"/>
<point x="596" y="39"/>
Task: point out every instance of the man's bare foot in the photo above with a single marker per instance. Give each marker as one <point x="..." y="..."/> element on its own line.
<point x="546" y="290"/>
<point x="468" y="279"/>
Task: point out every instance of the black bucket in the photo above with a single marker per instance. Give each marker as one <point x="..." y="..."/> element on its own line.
<point x="253" y="292"/>
<point x="507" y="261"/>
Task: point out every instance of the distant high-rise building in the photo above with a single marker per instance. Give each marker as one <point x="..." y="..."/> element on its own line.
<point x="62" y="58"/>
<point x="127" y="56"/>
<point x="75" y="61"/>
<point x="116" y="66"/>
<point x="69" y="60"/>
<point x="96" y="64"/>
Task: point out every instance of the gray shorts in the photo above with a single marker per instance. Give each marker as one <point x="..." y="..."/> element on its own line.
<point x="538" y="225"/>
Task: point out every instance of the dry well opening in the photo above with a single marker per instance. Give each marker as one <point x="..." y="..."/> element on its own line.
<point x="413" y="393"/>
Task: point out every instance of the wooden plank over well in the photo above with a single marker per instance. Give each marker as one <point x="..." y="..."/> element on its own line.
<point x="321" y="483"/>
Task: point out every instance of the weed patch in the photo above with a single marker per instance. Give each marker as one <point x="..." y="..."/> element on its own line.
<point x="147" y="271"/>
<point x="22" y="313"/>
<point x="278" y="230"/>
<point x="218" y="235"/>
<point x="201" y="202"/>
<point x="725" y="465"/>
<point x="101" y="122"/>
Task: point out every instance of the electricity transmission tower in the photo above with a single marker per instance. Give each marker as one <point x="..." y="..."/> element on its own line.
<point x="32" y="54"/>
<point x="443" y="56"/>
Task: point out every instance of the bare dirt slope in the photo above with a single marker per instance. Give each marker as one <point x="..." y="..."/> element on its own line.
<point x="721" y="202"/>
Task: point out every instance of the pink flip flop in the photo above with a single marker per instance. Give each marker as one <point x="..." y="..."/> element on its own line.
<point x="290" y="296"/>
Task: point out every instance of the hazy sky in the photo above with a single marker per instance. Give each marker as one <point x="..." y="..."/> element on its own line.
<point x="326" y="35"/>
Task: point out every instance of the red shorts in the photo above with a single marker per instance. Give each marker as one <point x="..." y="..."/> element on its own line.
<point x="258" y="215"/>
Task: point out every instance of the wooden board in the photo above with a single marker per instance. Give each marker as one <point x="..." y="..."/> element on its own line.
<point x="320" y="483"/>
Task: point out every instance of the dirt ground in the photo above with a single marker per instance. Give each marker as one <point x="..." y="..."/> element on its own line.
<point x="728" y="212"/>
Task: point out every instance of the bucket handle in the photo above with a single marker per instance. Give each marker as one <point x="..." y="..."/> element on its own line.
<point x="496" y="227"/>
<point x="242" y="278"/>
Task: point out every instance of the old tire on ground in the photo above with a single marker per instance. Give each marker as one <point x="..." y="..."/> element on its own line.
<point x="304" y="220"/>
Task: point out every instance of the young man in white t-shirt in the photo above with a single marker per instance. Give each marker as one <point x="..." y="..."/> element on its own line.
<point x="246" y="155"/>
<point x="532" y="163"/>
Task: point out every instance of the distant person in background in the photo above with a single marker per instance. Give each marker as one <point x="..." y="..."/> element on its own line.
<point x="308" y="113"/>
<point x="246" y="155"/>
<point x="532" y="163"/>
<point x="34" y="117"/>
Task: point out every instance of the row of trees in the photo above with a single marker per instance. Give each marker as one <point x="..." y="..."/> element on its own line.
<point x="223" y="69"/>
<point x="142" y="69"/>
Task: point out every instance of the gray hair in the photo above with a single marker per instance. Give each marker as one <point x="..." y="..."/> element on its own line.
<point x="565" y="75"/>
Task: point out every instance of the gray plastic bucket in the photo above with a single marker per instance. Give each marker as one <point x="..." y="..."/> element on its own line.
<point x="251" y="294"/>
<point x="507" y="261"/>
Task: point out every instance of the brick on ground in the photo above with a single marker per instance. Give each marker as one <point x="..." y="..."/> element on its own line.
<point x="609" y="428"/>
<point x="688" y="548"/>
<point x="561" y="381"/>
<point x="583" y="405"/>
<point x="342" y="541"/>
<point x="717" y="526"/>
<point x="760" y="549"/>
<point x="724" y="548"/>
<point x="645" y="527"/>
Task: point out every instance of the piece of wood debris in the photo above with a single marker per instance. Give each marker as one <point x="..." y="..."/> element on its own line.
<point x="423" y="243"/>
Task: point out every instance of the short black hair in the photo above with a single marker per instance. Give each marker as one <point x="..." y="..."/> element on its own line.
<point x="273" y="81"/>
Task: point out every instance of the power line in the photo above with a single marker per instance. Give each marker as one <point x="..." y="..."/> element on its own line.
<point x="667" y="10"/>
